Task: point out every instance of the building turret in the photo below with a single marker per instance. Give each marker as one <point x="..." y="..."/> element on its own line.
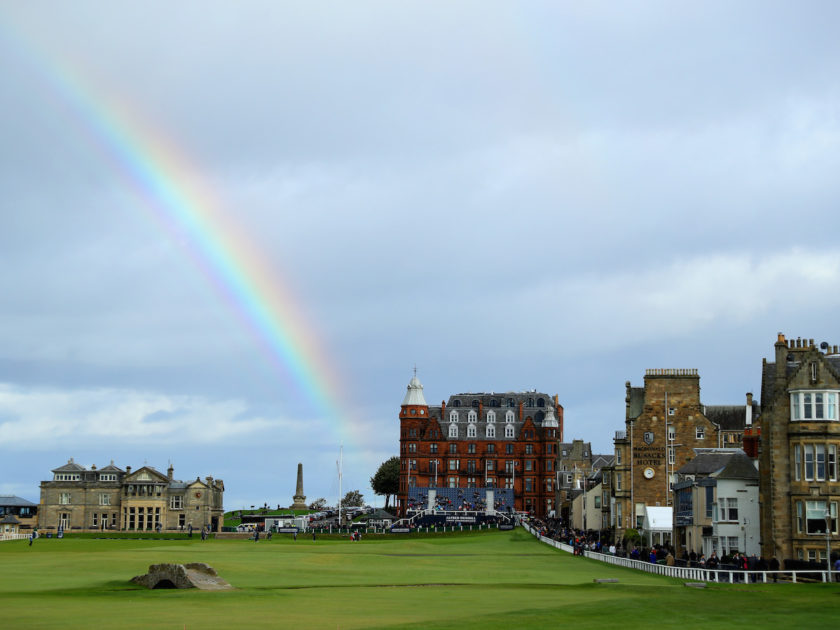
<point x="414" y="404"/>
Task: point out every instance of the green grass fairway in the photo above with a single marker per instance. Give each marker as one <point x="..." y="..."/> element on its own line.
<point x="482" y="580"/>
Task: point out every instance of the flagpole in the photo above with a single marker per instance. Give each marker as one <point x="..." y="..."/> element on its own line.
<point x="338" y="464"/>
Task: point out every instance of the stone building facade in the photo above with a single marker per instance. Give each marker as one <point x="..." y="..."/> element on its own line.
<point x="17" y="515"/>
<point x="577" y="468"/>
<point x="716" y="504"/>
<point x="798" y="450"/>
<point x="110" y="498"/>
<point x="481" y="441"/>
<point x="664" y="422"/>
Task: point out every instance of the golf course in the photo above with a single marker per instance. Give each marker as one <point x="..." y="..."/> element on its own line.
<point x="488" y="579"/>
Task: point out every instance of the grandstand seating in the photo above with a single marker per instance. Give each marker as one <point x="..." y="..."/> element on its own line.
<point x="460" y="499"/>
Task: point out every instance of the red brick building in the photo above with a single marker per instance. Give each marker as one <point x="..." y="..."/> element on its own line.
<point x="480" y="442"/>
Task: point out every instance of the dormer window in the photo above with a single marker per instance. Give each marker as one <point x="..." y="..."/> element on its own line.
<point x="508" y="430"/>
<point x="509" y="417"/>
<point x="813" y="405"/>
<point x="491" y="416"/>
<point x="453" y="430"/>
<point x="472" y="416"/>
<point x="491" y="430"/>
<point x="471" y="431"/>
<point x="453" y="416"/>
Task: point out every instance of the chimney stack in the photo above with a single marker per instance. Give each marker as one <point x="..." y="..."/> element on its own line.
<point x="749" y="409"/>
<point x="781" y="358"/>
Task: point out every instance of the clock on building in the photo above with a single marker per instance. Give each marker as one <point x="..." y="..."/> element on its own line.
<point x="649" y="473"/>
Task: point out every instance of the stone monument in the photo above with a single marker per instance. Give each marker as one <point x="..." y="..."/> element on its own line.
<point x="299" y="498"/>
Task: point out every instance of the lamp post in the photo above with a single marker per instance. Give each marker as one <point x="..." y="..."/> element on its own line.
<point x="828" y="538"/>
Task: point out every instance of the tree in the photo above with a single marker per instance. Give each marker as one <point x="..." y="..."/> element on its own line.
<point x="386" y="481"/>
<point x="632" y="536"/>
<point x="318" y="504"/>
<point x="353" y="498"/>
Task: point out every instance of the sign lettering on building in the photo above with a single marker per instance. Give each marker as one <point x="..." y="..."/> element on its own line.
<point x="648" y="455"/>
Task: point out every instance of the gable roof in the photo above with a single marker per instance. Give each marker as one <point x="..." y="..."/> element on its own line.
<point x="70" y="466"/>
<point x="150" y="472"/>
<point x="739" y="466"/>
<point x="599" y="461"/>
<point x="768" y="373"/>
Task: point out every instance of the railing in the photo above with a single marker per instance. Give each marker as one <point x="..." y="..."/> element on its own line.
<point x="7" y="536"/>
<point x="693" y="573"/>
<point x="671" y="372"/>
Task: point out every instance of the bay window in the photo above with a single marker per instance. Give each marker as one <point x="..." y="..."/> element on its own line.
<point x="813" y="405"/>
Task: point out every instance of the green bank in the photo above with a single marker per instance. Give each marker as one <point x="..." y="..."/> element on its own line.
<point x="479" y="580"/>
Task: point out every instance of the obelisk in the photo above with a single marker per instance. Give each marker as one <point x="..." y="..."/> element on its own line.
<point x="300" y="499"/>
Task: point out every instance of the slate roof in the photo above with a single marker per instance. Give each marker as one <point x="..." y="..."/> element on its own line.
<point x="730" y="417"/>
<point x="721" y="463"/>
<point x="10" y="500"/>
<point x="9" y="519"/>
<point x="498" y="403"/>
<point x="586" y="448"/>
<point x="599" y="461"/>
<point x="768" y="375"/>
<point x="739" y="466"/>
<point x="70" y="466"/>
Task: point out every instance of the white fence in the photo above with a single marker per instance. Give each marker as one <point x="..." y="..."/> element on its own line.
<point x="13" y="536"/>
<point x="693" y="573"/>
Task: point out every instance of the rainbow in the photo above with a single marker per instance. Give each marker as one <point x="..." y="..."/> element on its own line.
<point x="184" y="204"/>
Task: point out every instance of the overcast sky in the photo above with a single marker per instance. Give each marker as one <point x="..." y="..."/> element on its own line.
<point x="508" y="195"/>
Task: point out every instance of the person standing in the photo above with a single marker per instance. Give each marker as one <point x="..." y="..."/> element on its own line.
<point x="712" y="563"/>
<point x="774" y="566"/>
